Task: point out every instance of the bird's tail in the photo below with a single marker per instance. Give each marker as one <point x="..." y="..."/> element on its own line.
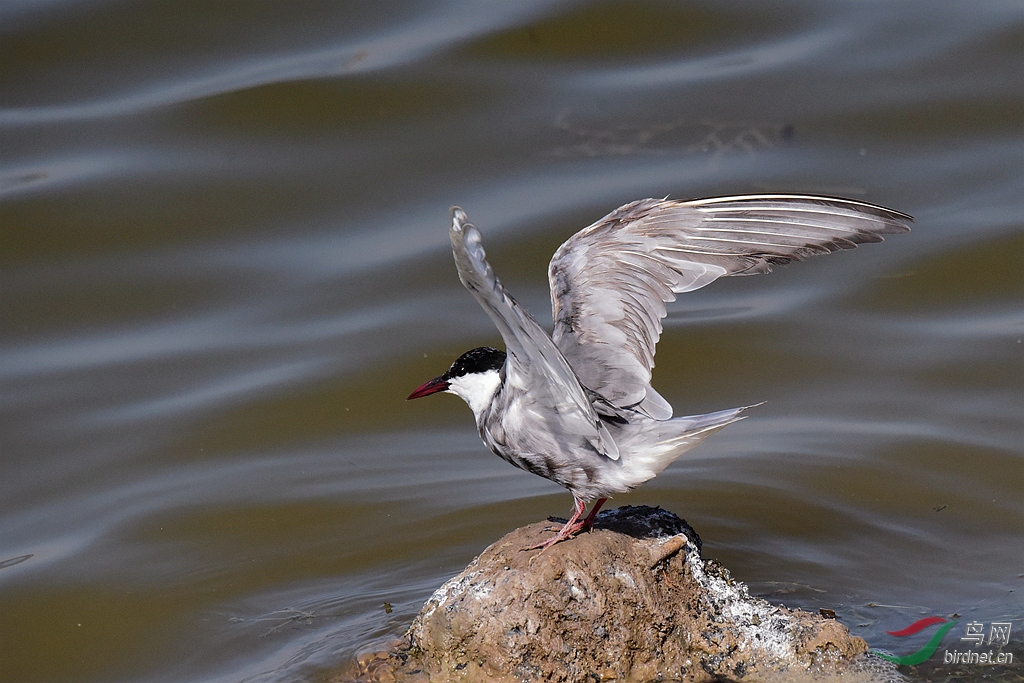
<point x="656" y="444"/>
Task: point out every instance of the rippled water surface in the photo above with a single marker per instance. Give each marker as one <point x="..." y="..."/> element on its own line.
<point x="224" y="264"/>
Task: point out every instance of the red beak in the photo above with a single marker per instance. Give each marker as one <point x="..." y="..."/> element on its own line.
<point x="432" y="387"/>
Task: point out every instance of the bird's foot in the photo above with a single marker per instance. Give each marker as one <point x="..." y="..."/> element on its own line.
<point x="570" y="529"/>
<point x="574" y="526"/>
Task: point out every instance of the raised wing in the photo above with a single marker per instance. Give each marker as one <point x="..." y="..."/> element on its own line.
<point x="610" y="281"/>
<point x="534" y="364"/>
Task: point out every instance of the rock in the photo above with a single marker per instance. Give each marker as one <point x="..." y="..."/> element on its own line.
<point x="631" y="600"/>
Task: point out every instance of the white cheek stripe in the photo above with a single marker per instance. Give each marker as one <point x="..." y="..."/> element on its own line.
<point x="476" y="389"/>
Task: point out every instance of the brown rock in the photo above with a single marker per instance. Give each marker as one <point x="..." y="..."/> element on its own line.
<point x="631" y="600"/>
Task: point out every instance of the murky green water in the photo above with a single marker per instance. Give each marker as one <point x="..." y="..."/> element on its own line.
<point x="224" y="264"/>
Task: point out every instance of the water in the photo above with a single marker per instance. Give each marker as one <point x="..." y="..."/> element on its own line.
<point x="224" y="264"/>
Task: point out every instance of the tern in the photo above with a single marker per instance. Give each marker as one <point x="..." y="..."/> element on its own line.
<point x="577" y="406"/>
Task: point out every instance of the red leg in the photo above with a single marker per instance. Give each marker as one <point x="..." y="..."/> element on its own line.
<point x="575" y="524"/>
<point x="589" y="521"/>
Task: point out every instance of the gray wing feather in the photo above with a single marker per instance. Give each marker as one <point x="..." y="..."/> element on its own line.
<point x="610" y="281"/>
<point x="533" y="359"/>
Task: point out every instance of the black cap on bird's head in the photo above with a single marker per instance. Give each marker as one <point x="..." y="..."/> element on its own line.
<point x="478" y="360"/>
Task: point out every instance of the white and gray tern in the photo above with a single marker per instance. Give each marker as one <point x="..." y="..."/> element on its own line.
<point x="577" y="407"/>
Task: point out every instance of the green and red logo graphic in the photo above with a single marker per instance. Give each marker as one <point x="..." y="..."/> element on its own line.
<point x="915" y="658"/>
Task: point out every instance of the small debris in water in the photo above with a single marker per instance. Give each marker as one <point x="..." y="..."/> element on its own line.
<point x="15" y="560"/>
